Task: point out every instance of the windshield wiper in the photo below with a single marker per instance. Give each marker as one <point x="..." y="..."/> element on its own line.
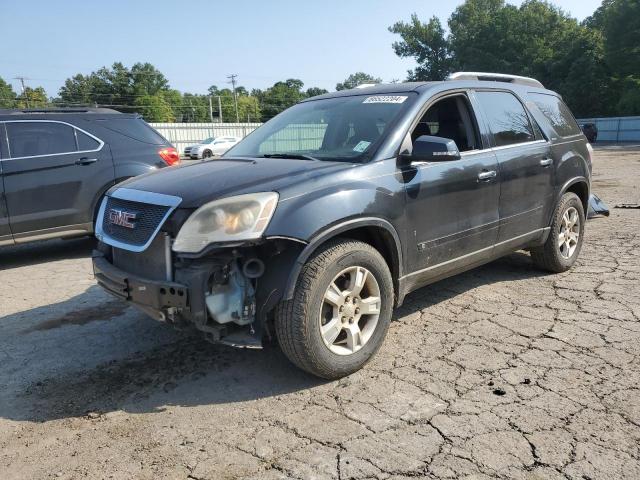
<point x="294" y="156"/>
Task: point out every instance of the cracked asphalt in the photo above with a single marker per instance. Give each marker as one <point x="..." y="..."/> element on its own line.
<point x="501" y="372"/>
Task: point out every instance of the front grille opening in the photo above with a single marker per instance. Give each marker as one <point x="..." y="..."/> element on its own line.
<point x="147" y="219"/>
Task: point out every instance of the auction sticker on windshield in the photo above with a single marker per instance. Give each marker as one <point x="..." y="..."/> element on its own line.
<point x="385" y="99"/>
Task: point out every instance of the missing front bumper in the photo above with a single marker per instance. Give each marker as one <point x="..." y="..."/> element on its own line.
<point x="157" y="295"/>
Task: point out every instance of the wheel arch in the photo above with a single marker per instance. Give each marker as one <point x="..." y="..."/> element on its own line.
<point x="377" y="232"/>
<point x="579" y="186"/>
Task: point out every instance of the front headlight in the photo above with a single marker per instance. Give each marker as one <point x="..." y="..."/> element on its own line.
<point x="243" y="217"/>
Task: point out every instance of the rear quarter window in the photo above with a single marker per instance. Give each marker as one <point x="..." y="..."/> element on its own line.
<point x="557" y="113"/>
<point x="134" y="128"/>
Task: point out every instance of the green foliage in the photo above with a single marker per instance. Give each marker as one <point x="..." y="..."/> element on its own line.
<point x="117" y="86"/>
<point x="618" y="22"/>
<point x="427" y="43"/>
<point x="315" y="91"/>
<point x="629" y="102"/>
<point x="279" y="97"/>
<point x="536" y="39"/>
<point x="7" y="95"/>
<point x="355" y="79"/>
<point x="32" y="98"/>
<point x="154" y="108"/>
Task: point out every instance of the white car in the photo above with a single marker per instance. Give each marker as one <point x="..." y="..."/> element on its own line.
<point x="211" y="147"/>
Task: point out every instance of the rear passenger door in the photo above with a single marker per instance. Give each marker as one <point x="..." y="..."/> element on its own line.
<point x="53" y="176"/>
<point x="524" y="161"/>
<point x="5" y="232"/>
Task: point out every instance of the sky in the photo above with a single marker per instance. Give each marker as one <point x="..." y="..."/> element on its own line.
<point x="197" y="43"/>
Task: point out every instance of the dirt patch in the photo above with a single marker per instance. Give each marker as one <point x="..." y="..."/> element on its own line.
<point x="94" y="313"/>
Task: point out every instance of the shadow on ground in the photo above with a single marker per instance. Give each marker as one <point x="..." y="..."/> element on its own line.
<point x="45" y="251"/>
<point x="191" y="372"/>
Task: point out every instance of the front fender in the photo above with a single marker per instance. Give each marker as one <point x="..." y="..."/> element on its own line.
<point x="334" y="231"/>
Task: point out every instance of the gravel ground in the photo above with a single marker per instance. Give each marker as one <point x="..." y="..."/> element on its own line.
<point x="502" y="372"/>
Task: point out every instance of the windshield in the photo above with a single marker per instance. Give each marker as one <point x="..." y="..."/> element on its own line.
<point x="341" y="128"/>
<point x="207" y="141"/>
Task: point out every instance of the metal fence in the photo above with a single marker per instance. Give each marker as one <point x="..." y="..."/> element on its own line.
<point x="616" y="129"/>
<point x="185" y="134"/>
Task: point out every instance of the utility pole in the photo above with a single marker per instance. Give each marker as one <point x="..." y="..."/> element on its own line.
<point x="232" y="81"/>
<point x="24" y="92"/>
<point x="210" y="110"/>
<point x="220" y="108"/>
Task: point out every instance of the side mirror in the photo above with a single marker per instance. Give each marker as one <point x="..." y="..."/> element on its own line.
<point x="431" y="149"/>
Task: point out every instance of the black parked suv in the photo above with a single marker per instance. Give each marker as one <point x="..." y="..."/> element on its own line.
<point x="56" y="165"/>
<point x="316" y="225"/>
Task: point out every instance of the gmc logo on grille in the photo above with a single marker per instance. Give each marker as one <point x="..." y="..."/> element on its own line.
<point x="122" y="218"/>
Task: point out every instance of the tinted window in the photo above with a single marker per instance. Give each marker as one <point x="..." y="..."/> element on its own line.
<point x="557" y="113"/>
<point x="28" y="139"/>
<point x="507" y="118"/>
<point x="85" y="142"/>
<point x="135" y="128"/>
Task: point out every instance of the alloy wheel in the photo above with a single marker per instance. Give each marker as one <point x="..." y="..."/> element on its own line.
<point x="350" y="310"/>
<point x="569" y="232"/>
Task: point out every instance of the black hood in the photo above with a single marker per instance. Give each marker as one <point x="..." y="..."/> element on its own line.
<point x="201" y="182"/>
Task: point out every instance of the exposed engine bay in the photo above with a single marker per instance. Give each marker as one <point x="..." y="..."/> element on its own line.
<point x="223" y="293"/>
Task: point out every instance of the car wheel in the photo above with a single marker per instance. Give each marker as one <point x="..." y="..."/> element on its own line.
<point x="340" y="311"/>
<point x="207" y="154"/>
<point x="563" y="245"/>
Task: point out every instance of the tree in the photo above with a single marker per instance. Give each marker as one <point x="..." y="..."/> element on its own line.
<point x="279" y="97"/>
<point x="315" y="91"/>
<point x="7" y="95"/>
<point x="355" y="79"/>
<point x="154" y="108"/>
<point x="33" y="98"/>
<point x="618" y="22"/>
<point x="117" y="87"/>
<point x="428" y="44"/>
<point x="536" y="39"/>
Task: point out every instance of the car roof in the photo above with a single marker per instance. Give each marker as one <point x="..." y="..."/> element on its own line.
<point x="421" y="87"/>
<point x="61" y="113"/>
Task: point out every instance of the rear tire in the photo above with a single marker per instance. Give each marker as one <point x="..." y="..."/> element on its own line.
<point x="563" y="245"/>
<point x="324" y="329"/>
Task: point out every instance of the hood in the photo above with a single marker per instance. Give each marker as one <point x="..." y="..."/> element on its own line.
<point x="203" y="182"/>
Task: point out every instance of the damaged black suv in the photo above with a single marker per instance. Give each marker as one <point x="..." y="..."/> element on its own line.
<point x="317" y="224"/>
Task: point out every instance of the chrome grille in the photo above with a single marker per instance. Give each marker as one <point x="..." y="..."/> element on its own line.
<point x="147" y="219"/>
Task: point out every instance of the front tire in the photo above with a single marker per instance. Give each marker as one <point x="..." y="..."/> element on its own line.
<point x="207" y="154"/>
<point x="563" y="245"/>
<point x="340" y="311"/>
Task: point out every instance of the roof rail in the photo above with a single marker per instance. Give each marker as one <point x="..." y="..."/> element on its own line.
<point x="496" y="77"/>
<point x="18" y="111"/>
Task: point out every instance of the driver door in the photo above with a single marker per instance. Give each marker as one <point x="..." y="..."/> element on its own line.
<point x="452" y="205"/>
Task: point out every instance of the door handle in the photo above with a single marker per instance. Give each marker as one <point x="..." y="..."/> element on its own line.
<point x="86" y="161"/>
<point x="545" y="162"/>
<point x="487" y="175"/>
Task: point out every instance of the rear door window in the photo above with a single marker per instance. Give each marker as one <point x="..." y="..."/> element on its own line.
<point x="134" y="128"/>
<point x="30" y="139"/>
<point x="507" y="118"/>
<point x="557" y="113"/>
